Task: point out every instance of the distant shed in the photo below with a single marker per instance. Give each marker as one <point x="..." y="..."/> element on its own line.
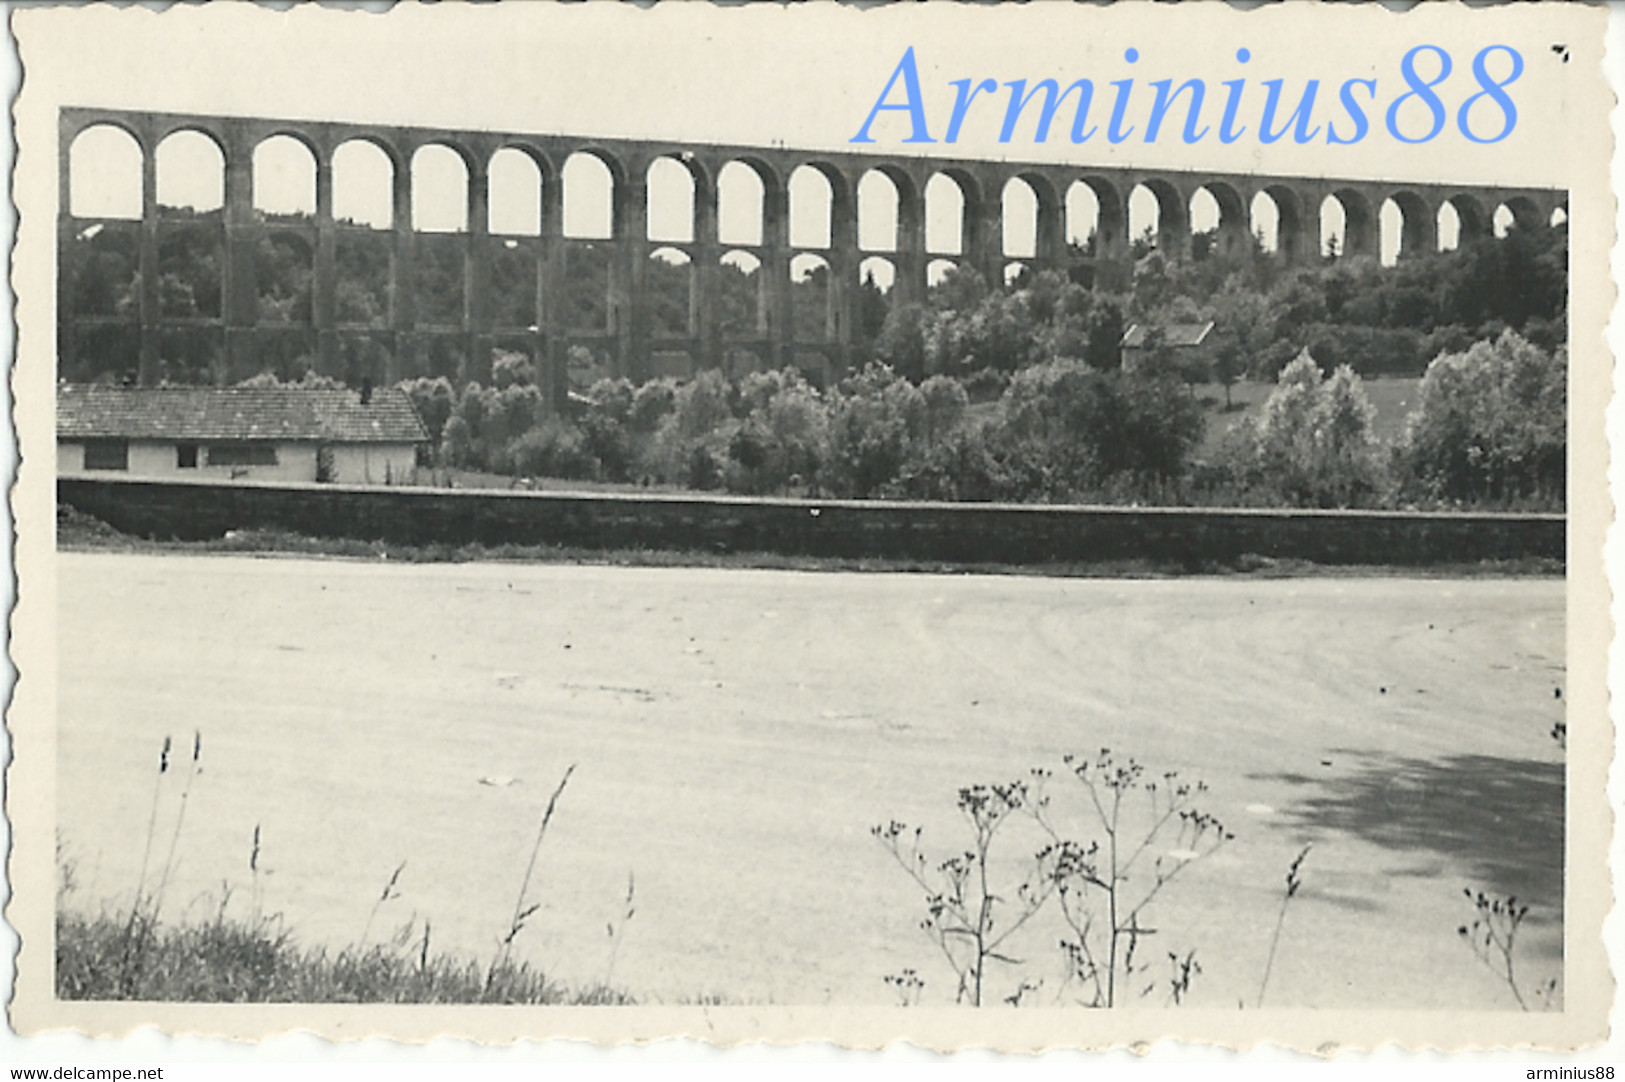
<point x="1189" y="344"/>
<point x="262" y="433"/>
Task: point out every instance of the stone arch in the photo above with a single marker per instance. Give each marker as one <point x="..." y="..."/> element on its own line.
<point x="1472" y="222"/>
<point x="880" y="270"/>
<point x="939" y="268"/>
<point x="747" y="199"/>
<point x="811" y="197"/>
<point x="364" y="172"/>
<point x="1083" y="213"/>
<point x="1049" y="223"/>
<point x="284" y="168"/>
<point x="1232" y="236"/>
<point x="440" y="178"/>
<point x="1347" y="216"/>
<point x="284" y="274"/>
<point x="1525" y="213"/>
<point x="896" y="221"/>
<point x="671" y="195"/>
<point x="1018" y="219"/>
<point x="1169" y="218"/>
<point x="669" y="278"/>
<point x="1111" y="217"/>
<point x="190" y="266"/>
<point x="740" y="312"/>
<point x="1415" y="231"/>
<point x="1291" y="238"/>
<point x="514" y="193"/>
<point x="811" y="292"/>
<point x="878" y="291"/>
<point x="105" y="163"/>
<point x="1264" y="219"/>
<point x="593" y="194"/>
<point x="945" y="214"/>
<point x="190" y="165"/>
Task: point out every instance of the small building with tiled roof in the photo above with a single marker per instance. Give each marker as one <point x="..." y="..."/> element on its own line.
<point x="1187" y="344"/>
<point x="230" y="433"/>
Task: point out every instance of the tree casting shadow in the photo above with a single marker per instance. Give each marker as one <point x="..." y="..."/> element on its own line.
<point x="1501" y="818"/>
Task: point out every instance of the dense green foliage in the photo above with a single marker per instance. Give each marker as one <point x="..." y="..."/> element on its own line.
<point x="1490" y="426"/>
<point x="1002" y="393"/>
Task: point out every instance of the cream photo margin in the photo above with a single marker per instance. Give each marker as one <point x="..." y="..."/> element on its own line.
<point x="1590" y="987"/>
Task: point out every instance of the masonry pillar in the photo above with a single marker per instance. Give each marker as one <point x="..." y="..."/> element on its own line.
<point x="1111" y="240"/>
<point x="550" y="304"/>
<point x="1173" y="222"/>
<point x="982" y="239"/>
<point x="628" y="306"/>
<point x="324" y="274"/>
<point x="776" y="267"/>
<point x="1234" y="236"/>
<point x="1292" y="235"/>
<point x="1419" y="230"/>
<point x="148" y="301"/>
<point x="477" y="318"/>
<point x="403" y="282"/>
<point x="704" y="315"/>
<point x="1049" y="240"/>
<point x="844" y="259"/>
<point x="239" y="308"/>
<point x="1360" y="235"/>
<point x="909" y="286"/>
<point x="67" y="346"/>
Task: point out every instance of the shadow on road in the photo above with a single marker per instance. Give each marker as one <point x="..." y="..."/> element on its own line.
<point x="1503" y="819"/>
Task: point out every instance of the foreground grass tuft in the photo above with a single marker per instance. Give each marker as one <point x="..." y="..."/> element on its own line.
<point x="232" y="961"/>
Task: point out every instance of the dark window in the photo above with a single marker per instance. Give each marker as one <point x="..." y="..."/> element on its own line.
<point x="186" y="456"/>
<point x="107" y="454"/>
<point x="242" y="454"/>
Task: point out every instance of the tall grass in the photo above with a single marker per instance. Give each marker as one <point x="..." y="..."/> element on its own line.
<point x="236" y="961"/>
<point x="133" y="956"/>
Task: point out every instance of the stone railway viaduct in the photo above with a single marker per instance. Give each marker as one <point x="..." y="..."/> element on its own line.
<point x="406" y="342"/>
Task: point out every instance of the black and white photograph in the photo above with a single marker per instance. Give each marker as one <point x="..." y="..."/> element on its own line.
<point x="1010" y="526"/>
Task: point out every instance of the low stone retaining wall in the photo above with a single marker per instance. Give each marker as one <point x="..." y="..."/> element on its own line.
<point x="961" y="533"/>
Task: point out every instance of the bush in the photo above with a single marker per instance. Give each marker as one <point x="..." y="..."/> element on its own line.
<point x="555" y="448"/>
<point x="783" y="437"/>
<point x="434" y="399"/>
<point x="510" y="369"/>
<point x="945" y="406"/>
<point x="1490" y="424"/>
<point x="874" y="418"/>
<point x="1311" y="446"/>
<point x="1095" y="431"/>
<point x="652" y="403"/>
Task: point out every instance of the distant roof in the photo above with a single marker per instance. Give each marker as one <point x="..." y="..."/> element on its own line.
<point x="236" y="413"/>
<point x="1173" y="334"/>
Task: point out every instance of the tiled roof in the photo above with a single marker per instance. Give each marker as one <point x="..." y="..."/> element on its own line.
<point x="1173" y="334"/>
<point x="236" y="413"/>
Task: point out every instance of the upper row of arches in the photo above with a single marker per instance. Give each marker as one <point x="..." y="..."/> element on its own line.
<point x="106" y="181"/>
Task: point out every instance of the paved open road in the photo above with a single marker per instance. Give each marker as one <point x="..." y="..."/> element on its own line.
<point x="737" y="733"/>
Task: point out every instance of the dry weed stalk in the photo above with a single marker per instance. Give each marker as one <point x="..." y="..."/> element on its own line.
<point x="1293" y="882"/>
<point x="1493" y="938"/>
<point x="521" y="911"/>
<point x="962" y="905"/>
